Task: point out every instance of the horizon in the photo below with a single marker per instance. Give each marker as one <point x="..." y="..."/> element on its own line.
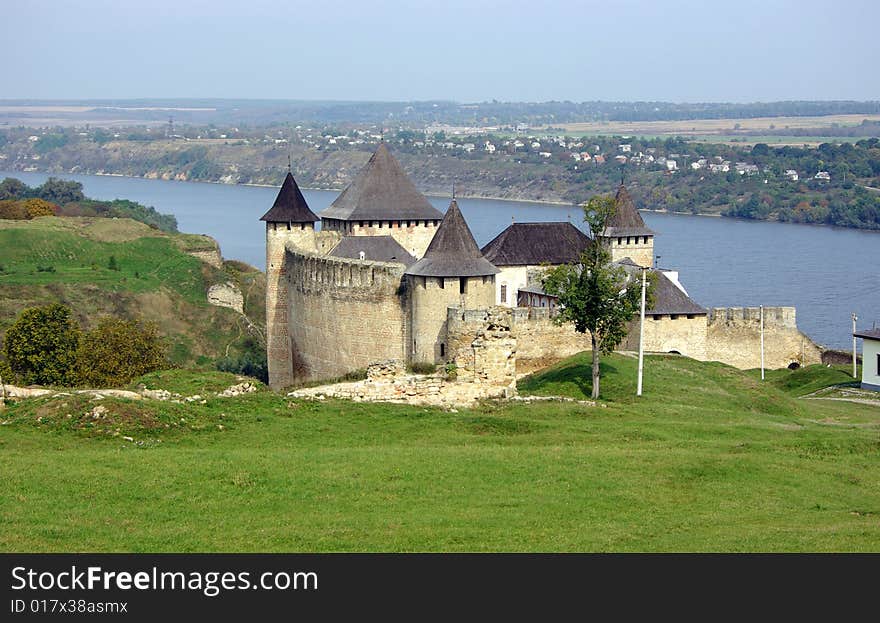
<point x="462" y="51"/>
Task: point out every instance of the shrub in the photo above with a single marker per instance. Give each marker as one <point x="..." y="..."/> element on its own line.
<point x="252" y="362"/>
<point x="12" y="210"/>
<point x="40" y="207"/>
<point x="117" y="351"/>
<point x="451" y="371"/>
<point x="41" y="346"/>
<point x="423" y="368"/>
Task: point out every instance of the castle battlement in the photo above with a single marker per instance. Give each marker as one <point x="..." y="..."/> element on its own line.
<point x="313" y="272"/>
<point x="774" y="317"/>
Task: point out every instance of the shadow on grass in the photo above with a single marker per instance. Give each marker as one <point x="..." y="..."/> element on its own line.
<point x="569" y="379"/>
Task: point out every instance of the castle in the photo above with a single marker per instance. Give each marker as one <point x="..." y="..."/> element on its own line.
<point x="388" y="277"/>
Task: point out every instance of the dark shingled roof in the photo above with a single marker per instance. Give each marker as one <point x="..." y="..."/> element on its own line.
<point x="375" y="248"/>
<point x="626" y="220"/>
<point x="869" y="334"/>
<point x="536" y="243"/>
<point x="290" y="206"/>
<point x="668" y="297"/>
<point x="381" y="191"/>
<point x="453" y="252"/>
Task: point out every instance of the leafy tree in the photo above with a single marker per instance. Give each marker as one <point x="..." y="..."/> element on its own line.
<point x="12" y="188"/>
<point x="60" y="191"/>
<point x="41" y="345"/>
<point x="594" y="294"/>
<point x="117" y="351"/>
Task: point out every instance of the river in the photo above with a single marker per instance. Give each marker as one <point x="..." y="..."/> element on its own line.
<point x="827" y="273"/>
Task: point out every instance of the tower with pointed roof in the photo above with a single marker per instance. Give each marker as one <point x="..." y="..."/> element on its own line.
<point x="289" y="222"/>
<point x="452" y="273"/>
<point x="626" y="234"/>
<point x="383" y="201"/>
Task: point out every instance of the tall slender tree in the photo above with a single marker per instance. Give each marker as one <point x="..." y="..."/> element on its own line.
<point x="597" y="296"/>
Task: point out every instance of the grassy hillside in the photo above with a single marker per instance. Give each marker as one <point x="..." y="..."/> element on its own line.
<point x="710" y="458"/>
<point x="102" y="266"/>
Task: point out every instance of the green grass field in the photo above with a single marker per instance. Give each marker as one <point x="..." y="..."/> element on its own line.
<point x="709" y="459"/>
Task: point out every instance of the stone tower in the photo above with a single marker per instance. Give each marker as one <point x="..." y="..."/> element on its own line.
<point x="452" y="273"/>
<point x="288" y="222"/>
<point x="382" y="201"/>
<point x="626" y="234"/>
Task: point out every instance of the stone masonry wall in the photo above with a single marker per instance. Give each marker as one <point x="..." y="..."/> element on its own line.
<point x="430" y="303"/>
<point x="640" y="252"/>
<point x="278" y="236"/>
<point x="541" y="341"/>
<point x="734" y="338"/>
<point x="664" y="334"/>
<point x="343" y="314"/>
<point x="483" y="346"/>
<point x="414" y="238"/>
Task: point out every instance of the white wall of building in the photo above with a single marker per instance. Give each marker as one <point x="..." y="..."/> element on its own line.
<point x="871" y="363"/>
<point x="513" y="278"/>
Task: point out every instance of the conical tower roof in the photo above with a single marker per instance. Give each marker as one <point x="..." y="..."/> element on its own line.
<point x="453" y="252"/>
<point x="290" y="206"/>
<point x="381" y="191"/>
<point x="626" y="220"/>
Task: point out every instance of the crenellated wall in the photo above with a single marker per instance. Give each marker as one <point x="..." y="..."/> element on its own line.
<point x="734" y="337"/>
<point x="635" y="248"/>
<point x="343" y="314"/>
<point x="414" y="236"/>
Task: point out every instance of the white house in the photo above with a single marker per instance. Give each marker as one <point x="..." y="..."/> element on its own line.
<point x="870" y="358"/>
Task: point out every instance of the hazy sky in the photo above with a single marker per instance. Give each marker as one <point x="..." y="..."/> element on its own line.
<point x="732" y="50"/>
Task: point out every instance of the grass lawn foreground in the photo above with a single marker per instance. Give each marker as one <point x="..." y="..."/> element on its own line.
<point x="709" y="459"/>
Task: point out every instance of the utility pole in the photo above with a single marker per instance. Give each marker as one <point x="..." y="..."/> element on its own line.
<point x="762" y="342"/>
<point x="642" y="333"/>
<point x="855" y="370"/>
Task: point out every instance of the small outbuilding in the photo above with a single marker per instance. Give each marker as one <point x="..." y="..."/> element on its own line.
<point x="870" y="358"/>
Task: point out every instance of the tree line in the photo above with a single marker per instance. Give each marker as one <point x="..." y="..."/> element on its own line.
<point x="60" y="197"/>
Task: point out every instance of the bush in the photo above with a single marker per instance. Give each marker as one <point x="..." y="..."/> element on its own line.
<point x="25" y="209"/>
<point x="423" y="368"/>
<point x="451" y="371"/>
<point x="117" y="351"/>
<point x="12" y="210"/>
<point x="41" y="346"/>
<point x="252" y="362"/>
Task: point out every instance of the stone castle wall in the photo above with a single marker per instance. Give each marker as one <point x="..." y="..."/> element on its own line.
<point x="343" y="314"/>
<point x="663" y="334"/>
<point x="414" y="236"/>
<point x="483" y="346"/>
<point x="278" y="347"/>
<point x="640" y="252"/>
<point x="430" y="303"/>
<point x="540" y="341"/>
<point x="734" y="337"/>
